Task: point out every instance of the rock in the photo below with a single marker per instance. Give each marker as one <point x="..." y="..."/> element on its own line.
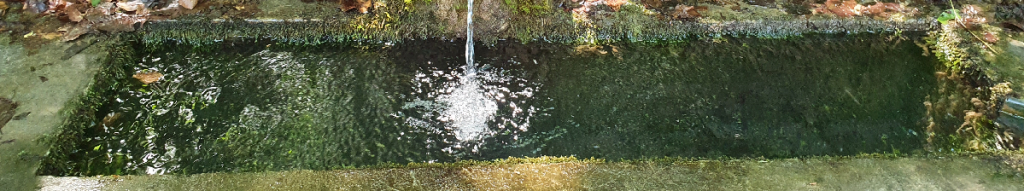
<point x="1016" y="43"/>
<point x="135" y="5"/>
<point x="188" y="4"/>
<point x="35" y="6"/>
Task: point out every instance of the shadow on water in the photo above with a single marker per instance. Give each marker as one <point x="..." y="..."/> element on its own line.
<point x="262" y="106"/>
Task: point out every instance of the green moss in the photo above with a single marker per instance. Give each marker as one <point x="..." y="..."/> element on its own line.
<point x="82" y="114"/>
<point x="507" y="161"/>
<point x="529" y="7"/>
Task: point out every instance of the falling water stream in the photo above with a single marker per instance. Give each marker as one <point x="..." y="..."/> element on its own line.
<point x="470" y="68"/>
<point x="468" y="107"/>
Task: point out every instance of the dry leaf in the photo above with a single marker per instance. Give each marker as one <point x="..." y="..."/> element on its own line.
<point x="74" y="14"/>
<point x="850" y="8"/>
<point x="54" y="6"/>
<point x="589" y="48"/>
<point x="3" y="7"/>
<point x="76" y="31"/>
<point x="132" y="5"/>
<point x="842" y="9"/>
<point x="50" y="36"/>
<point x="615" y="4"/>
<point x="687" y="12"/>
<point x="991" y="38"/>
<point x="148" y="77"/>
<point x="363" y="6"/>
<point x="110" y="119"/>
<point x="839" y="8"/>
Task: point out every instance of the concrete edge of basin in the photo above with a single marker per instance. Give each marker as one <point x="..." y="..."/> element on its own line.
<point x="983" y="171"/>
<point x="316" y="31"/>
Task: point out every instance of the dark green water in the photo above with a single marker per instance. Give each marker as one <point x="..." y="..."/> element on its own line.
<point x="254" y="107"/>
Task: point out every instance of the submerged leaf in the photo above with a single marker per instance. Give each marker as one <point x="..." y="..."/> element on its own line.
<point x="148" y="77"/>
<point x="6" y="111"/>
<point x="110" y="119"/>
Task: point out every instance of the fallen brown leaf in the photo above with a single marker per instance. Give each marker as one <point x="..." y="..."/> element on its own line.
<point x="362" y="6"/>
<point x="3" y="7"/>
<point x="148" y="77"/>
<point x="850" y="8"/>
<point x="74" y="12"/>
<point x="837" y="8"/>
<point x="110" y="119"/>
<point x="615" y="4"/>
<point x="131" y="5"/>
<point x="687" y="12"/>
<point x="991" y="38"/>
<point x="50" y="36"/>
<point x="75" y="31"/>
<point x="119" y="24"/>
<point x="589" y="48"/>
<point x="842" y="8"/>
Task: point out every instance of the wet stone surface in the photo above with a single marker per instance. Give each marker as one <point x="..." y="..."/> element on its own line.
<point x="263" y="106"/>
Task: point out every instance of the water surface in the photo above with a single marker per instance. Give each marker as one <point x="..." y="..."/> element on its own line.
<point x="255" y="106"/>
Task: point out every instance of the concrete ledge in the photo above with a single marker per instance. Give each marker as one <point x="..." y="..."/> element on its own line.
<point x="986" y="172"/>
<point x="317" y="31"/>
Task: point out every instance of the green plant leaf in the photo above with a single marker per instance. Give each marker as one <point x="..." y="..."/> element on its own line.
<point x="947" y="15"/>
